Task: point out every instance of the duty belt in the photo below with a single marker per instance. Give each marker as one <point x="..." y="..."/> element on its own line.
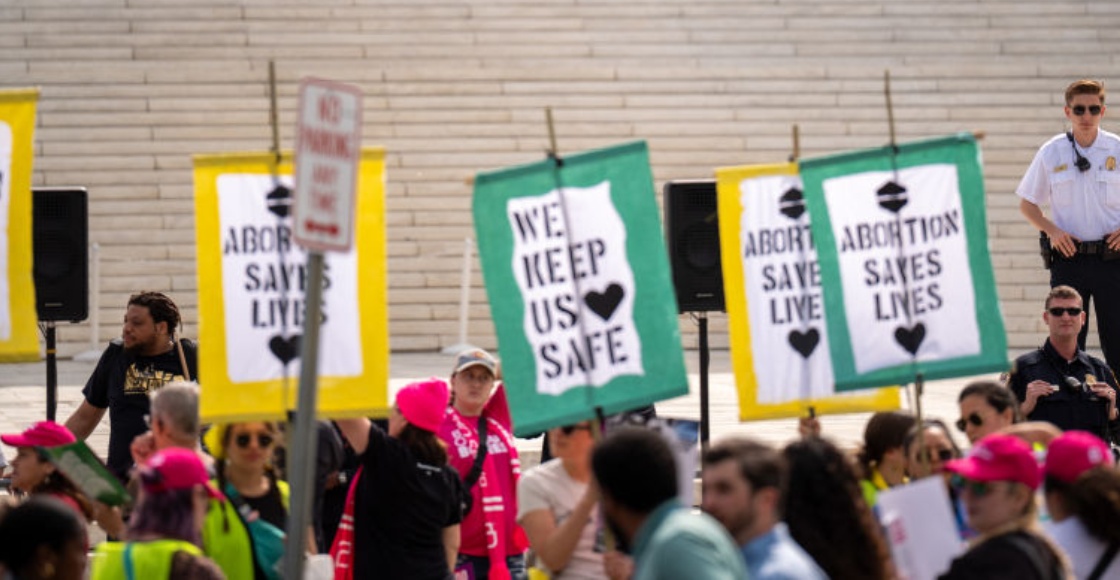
<point x="1091" y="248"/>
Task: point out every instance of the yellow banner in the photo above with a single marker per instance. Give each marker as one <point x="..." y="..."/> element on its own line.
<point x="252" y="281"/>
<point x="775" y="310"/>
<point x="19" y="340"/>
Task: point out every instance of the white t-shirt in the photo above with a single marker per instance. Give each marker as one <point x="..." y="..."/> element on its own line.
<point x="548" y="486"/>
<point x="1085" y="204"/>
<point x="1083" y="549"/>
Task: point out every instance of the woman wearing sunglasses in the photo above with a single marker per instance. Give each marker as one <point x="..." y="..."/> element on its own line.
<point x="986" y="407"/>
<point x="997" y="484"/>
<point x="938" y="447"/>
<point x="243" y="454"/>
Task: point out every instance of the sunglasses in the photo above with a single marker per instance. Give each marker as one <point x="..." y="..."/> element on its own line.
<point x="973" y="418"/>
<point x="1079" y="110"/>
<point x="1072" y="311"/>
<point x="569" y="429"/>
<point x="976" y="488"/>
<point x="263" y="440"/>
<point x="941" y="455"/>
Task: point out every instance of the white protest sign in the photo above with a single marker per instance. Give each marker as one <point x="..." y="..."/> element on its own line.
<point x="328" y="140"/>
<point x="919" y="525"/>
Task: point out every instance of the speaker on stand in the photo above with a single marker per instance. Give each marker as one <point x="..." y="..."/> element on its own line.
<point x="692" y="233"/>
<point x="60" y="240"/>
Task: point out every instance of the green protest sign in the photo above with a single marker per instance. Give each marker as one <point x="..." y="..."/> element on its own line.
<point x="578" y="280"/>
<point x="902" y="242"/>
<point x="78" y="463"/>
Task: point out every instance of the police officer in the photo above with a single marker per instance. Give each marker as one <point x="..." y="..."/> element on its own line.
<point x="1059" y="382"/>
<point x="1076" y="174"/>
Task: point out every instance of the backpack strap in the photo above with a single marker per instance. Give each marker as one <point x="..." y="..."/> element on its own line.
<point x="476" y="469"/>
<point x="1030" y="549"/>
<point x="1105" y="559"/>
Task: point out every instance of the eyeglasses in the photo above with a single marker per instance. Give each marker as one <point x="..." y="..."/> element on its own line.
<point x="976" y="488"/>
<point x="263" y="440"/>
<point x="941" y="455"/>
<point x="569" y="429"/>
<point x="1072" y="311"/>
<point x="1079" y="110"/>
<point x="976" y="420"/>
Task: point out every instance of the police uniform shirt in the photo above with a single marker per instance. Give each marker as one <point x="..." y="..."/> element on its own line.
<point x="1085" y="204"/>
<point x="1065" y="408"/>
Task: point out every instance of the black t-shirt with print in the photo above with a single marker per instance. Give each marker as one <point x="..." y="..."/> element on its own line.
<point x="401" y="507"/>
<point x="122" y="382"/>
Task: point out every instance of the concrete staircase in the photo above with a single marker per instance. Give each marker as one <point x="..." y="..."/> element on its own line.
<point x="132" y="88"/>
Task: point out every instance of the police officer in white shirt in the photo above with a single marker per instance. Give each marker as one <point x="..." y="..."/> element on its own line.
<point x="1076" y="174"/>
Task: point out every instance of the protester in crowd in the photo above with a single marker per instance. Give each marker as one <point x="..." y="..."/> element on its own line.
<point x="1073" y="174"/>
<point x="1061" y="383"/>
<point x="147" y="356"/>
<point x="637" y="478"/>
<point x="557" y="506"/>
<point x="163" y="538"/>
<point x="986" y="407"/>
<point x="1083" y="499"/>
<point x="938" y="447"/>
<point x="337" y="485"/>
<point x="882" y="458"/>
<point x="406" y="509"/>
<point x="175" y="425"/>
<point x="42" y="539"/>
<point x="34" y="473"/>
<point x="328" y="461"/>
<point x="243" y="454"/>
<point x="493" y="545"/>
<point x="997" y="483"/>
<point x="827" y="514"/>
<point x="744" y="483"/>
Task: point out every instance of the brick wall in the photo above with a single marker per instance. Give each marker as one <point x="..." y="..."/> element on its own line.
<point x="132" y="88"/>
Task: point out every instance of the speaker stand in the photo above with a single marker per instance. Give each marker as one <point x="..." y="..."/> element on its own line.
<point x="52" y="372"/>
<point x="705" y="357"/>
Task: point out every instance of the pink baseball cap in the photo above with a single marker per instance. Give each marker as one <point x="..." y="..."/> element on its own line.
<point x="41" y="434"/>
<point x="1073" y="453"/>
<point x="423" y="404"/>
<point x="999" y="457"/>
<point x="176" y="468"/>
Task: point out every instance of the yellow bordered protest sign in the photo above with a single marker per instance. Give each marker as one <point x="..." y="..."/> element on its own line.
<point x="19" y="340"/>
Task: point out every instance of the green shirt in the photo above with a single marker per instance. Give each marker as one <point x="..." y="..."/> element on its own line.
<point x="674" y="543"/>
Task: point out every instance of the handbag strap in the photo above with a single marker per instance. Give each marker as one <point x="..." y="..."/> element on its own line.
<point x="476" y="469"/>
<point x="1106" y="559"/>
<point x="129" y="571"/>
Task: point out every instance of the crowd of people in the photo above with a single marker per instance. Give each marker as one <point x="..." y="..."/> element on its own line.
<point x="436" y="491"/>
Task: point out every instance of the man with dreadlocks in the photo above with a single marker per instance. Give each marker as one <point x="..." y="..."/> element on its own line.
<point x="147" y="356"/>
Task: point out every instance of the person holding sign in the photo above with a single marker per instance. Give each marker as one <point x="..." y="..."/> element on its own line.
<point x="1075" y="174"/>
<point x="34" y="473"/>
<point x="478" y="432"/>
<point x="146" y="357"/>
<point x="1059" y="382"/>
<point x="997" y="482"/>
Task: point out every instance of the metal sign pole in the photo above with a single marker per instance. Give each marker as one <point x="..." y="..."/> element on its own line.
<point x="302" y="466"/>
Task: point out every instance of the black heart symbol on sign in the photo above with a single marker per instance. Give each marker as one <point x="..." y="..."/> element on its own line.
<point x="804" y="342"/>
<point x="605" y="304"/>
<point x="285" y="349"/>
<point x="910" y="338"/>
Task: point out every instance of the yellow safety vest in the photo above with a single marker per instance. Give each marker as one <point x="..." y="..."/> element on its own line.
<point x="150" y="560"/>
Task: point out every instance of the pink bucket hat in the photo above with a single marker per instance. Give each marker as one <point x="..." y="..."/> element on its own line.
<point x="999" y="458"/>
<point x="176" y="468"/>
<point x="41" y="434"/>
<point x="1073" y="453"/>
<point x="423" y="404"/>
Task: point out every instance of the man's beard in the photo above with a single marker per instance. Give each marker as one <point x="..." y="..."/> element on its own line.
<point x="139" y="348"/>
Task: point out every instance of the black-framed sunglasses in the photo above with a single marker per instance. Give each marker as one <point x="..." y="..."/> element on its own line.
<point x="1058" y="311"/>
<point x="976" y="488"/>
<point x="976" y="420"/>
<point x="1079" y="110"/>
<point x="569" y="429"/>
<point x="941" y="455"/>
<point x="263" y="440"/>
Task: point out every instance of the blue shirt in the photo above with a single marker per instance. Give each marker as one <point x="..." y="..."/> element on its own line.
<point x="674" y="543"/>
<point x="776" y="556"/>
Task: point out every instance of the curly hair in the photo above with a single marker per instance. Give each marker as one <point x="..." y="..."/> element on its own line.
<point x="1095" y="499"/>
<point x="827" y="515"/>
<point x="161" y="308"/>
<point x="885" y="431"/>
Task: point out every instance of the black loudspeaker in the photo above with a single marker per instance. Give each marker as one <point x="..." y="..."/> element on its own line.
<point x="692" y="232"/>
<point x="61" y="239"/>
